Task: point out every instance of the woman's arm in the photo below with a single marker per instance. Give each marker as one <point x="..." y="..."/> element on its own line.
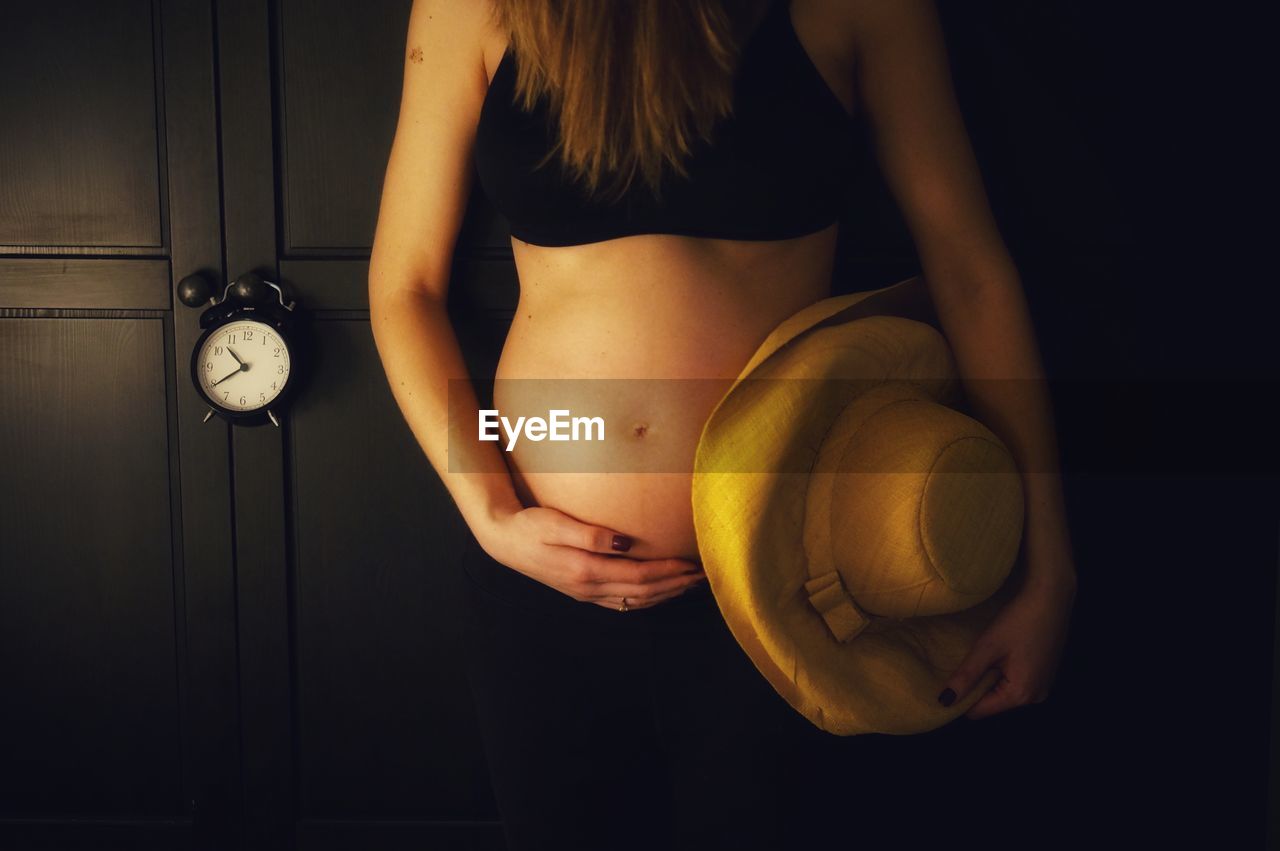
<point x="919" y="135"/>
<point x="905" y="87"/>
<point x="424" y="196"/>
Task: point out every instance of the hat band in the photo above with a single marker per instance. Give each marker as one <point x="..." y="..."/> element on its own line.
<point x="827" y="594"/>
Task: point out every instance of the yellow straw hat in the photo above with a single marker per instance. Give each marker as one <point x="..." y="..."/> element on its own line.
<point x="858" y="530"/>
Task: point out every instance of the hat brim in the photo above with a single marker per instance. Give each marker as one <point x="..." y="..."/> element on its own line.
<point x="749" y="527"/>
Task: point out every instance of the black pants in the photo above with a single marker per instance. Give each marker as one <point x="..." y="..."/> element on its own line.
<point x="642" y="729"/>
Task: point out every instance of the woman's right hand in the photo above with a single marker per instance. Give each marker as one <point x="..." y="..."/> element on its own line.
<point x="580" y="560"/>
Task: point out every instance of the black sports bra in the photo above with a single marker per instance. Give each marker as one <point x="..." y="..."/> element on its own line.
<point x="778" y="168"/>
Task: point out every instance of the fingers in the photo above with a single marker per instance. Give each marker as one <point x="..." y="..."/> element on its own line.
<point x="633" y="573"/>
<point x="590" y="570"/>
<point x="606" y="581"/>
<point x="645" y="602"/>
<point x="980" y="659"/>
<point x="634" y="603"/>
<point x="1004" y="695"/>
<point x="593" y="571"/>
<point x="641" y="594"/>
<point x="568" y="532"/>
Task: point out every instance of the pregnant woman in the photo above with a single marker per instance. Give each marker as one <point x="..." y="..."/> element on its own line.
<point x="673" y="174"/>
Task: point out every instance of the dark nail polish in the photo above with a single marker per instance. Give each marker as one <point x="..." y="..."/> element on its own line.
<point x="621" y="543"/>
<point x="947" y="697"/>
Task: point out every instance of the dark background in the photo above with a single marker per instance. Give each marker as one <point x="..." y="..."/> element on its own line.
<point x="1123" y="154"/>
<point x="212" y="636"/>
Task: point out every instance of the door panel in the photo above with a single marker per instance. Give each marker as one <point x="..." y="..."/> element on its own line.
<point x="80" y="143"/>
<point x="385" y="726"/>
<point x="86" y="616"/>
<point x="339" y="88"/>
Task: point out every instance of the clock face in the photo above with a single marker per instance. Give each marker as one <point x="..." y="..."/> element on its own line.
<point x="243" y="366"/>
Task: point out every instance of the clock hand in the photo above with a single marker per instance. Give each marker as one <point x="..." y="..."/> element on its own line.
<point x="240" y="368"/>
<point x="233" y="354"/>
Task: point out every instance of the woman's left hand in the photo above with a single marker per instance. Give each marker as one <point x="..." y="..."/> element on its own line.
<point x="1025" y="642"/>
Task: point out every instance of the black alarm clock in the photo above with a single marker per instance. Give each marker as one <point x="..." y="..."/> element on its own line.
<point x="243" y="365"/>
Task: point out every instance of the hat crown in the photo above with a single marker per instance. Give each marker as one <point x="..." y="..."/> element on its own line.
<point x="915" y="506"/>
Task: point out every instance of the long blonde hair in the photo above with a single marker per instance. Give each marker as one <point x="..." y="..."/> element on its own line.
<point x="631" y="84"/>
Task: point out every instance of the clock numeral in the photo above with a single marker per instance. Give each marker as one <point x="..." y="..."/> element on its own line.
<point x="277" y="354"/>
<point x="241" y="400"/>
<point x="262" y="397"/>
<point x="248" y="334"/>
<point x="231" y="338"/>
<point x="217" y="350"/>
<point x="225" y="394"/>
<point x="208" y="366"/>
<point x="280" y="369"/>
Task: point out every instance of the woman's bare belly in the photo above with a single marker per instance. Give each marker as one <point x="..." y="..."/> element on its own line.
<point x="646" y="332"/>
